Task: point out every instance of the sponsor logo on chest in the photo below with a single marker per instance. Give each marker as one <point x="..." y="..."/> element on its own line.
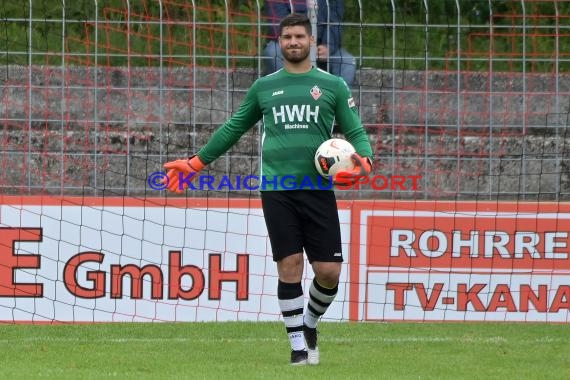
<point x="295" y="113"/>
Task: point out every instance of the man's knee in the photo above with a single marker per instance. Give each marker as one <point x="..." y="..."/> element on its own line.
<point x="272" y="60"/>
<point x="290" y="268"/>
<point x="343" y="57"/>
<point x="327" y="273"/>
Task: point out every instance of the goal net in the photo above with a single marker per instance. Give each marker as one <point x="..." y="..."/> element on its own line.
<point x="465" y="216"/>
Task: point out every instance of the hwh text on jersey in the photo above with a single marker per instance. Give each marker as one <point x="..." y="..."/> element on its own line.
<point x="295" y="113"/>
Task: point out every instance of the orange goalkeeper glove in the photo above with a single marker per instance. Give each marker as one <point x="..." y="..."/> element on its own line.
<point x="362" y="168"/>
<point x="181" y="171"/>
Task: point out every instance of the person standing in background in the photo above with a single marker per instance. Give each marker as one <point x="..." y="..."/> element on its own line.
<point x="330" y="55"/>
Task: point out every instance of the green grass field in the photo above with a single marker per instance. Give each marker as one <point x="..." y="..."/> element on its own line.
<point x="260" y="351"/>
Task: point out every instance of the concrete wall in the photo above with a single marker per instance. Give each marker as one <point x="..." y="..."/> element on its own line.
<point x="471" y="135"/>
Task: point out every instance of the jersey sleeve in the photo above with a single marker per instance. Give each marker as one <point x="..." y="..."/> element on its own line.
<point x="349" y="121"/>
<point x="230" y="132"/>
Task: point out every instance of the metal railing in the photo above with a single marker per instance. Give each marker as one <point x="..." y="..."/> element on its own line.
<point x="472" y="96"/>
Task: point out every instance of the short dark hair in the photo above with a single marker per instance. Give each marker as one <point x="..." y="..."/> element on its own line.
<point x="295" y="19"/>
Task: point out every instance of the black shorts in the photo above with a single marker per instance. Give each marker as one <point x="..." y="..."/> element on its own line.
<point x="300" y="220"/>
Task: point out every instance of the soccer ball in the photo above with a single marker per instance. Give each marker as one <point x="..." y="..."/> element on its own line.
<point x="334" y="156"/>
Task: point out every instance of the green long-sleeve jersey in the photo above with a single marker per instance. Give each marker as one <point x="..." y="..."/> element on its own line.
<point x="298" y="112"/>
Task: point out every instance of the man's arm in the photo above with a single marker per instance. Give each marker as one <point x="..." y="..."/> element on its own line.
<point x="346" y="115"/>
<point x="223" y="139"/>
<point x="349" y="121"/>
<point x="275" y="11"/>
<point x="329" y="19"/>
<point x="230" y="132"/>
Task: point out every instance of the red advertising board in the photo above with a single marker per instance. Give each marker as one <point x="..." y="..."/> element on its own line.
<point x="460" y="261"/>
<point x="210" y="259"/>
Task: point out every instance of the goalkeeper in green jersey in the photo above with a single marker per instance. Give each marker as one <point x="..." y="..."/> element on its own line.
<point x="299" y="105"/>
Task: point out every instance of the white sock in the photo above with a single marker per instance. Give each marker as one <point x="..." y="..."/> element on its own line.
<point x="320" y="298"/>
